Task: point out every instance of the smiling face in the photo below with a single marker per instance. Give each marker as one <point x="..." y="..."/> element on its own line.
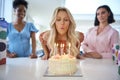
<point x="62" y="22"/>
<point x="102" y="15"/>
<point x="20" y="12"/>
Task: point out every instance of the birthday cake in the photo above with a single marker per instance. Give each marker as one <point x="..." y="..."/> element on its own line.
<point x="62" y="65"/>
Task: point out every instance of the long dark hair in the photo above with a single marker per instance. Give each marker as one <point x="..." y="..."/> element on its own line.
<point x="110" y="18"/>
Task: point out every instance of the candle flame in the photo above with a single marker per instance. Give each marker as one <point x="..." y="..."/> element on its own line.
<point x="54" y="44"/>
<point x="69" y="45"/>
<point x="57" y="44"/>
<point x="62" y="45"/>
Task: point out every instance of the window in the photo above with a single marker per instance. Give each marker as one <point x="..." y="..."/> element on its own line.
<point x="6" y="9"/>
<point x="2" y="2"/>
<point x="84" y="12"/>
<point x="90" y="6"/>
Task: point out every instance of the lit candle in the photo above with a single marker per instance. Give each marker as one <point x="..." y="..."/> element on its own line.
<point x="57" y="48"/>
<point x="54" y="48"/>
<point x="57" y="44"/>
<point x="60" y="45"/>
<point x="69" y="47"/>
<point x="61" y="48"/>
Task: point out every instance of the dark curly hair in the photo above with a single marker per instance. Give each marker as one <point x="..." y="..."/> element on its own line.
<point x="110" y="18"/>
<point x="16" y="3"/>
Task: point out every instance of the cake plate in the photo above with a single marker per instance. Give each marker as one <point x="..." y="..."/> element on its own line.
<point x="77" y="74"/>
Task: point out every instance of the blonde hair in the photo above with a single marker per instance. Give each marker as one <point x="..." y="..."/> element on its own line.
<point x="71" y="34"/>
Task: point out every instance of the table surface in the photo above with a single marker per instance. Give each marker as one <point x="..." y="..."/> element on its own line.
<point x="34" y="69"/>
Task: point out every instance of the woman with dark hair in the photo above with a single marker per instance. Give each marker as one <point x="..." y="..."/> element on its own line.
<point x="19" y="33"/>
<point x="100" y="39"/>
<point x="110" y="17"/>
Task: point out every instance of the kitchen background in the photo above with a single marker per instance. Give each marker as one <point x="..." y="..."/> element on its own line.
<point x="40" y="13"/>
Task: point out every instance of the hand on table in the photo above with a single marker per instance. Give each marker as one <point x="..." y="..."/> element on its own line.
<point x="11" y="55"/>
<point x="45" y="57"/>
<point x="93" y="55"/>
<point x="33" y="55"/>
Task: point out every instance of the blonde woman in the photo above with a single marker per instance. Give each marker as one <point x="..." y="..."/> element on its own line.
<point x="62" y="32"/>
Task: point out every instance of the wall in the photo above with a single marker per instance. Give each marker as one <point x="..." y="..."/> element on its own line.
<point x="8" y="10"/>
<point x="84" y="25"/>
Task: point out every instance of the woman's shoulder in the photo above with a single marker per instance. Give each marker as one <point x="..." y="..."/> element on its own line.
<point x="80" y="35"/>
<point x="29" y="24"/>
<point x="113" y="29"/>
<point x="10" y="26"/>
<point x="44" y="35"/>
<point x="31" y="27"/>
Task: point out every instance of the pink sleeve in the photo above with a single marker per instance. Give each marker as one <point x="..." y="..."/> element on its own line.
<point x="114" y="38"/>
<point x="85" y="43"/>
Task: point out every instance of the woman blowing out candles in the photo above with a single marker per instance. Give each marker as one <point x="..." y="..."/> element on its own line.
<point x="62" y="32"/>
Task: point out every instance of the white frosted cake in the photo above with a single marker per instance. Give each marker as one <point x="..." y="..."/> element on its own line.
<point x="62" y="65"/>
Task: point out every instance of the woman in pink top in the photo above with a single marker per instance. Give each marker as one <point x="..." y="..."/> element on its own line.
<point x="100" y="39"/>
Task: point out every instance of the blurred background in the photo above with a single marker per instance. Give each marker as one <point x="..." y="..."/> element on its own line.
<point x="40" y="13"/>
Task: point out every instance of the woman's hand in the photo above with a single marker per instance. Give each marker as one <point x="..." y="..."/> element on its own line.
<point x="45" y="57"/>
<point x="33" y="55"/>
<point x="93" y="55"/>
<point x="11" y="55"/>
<point x="80" y="56"/>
